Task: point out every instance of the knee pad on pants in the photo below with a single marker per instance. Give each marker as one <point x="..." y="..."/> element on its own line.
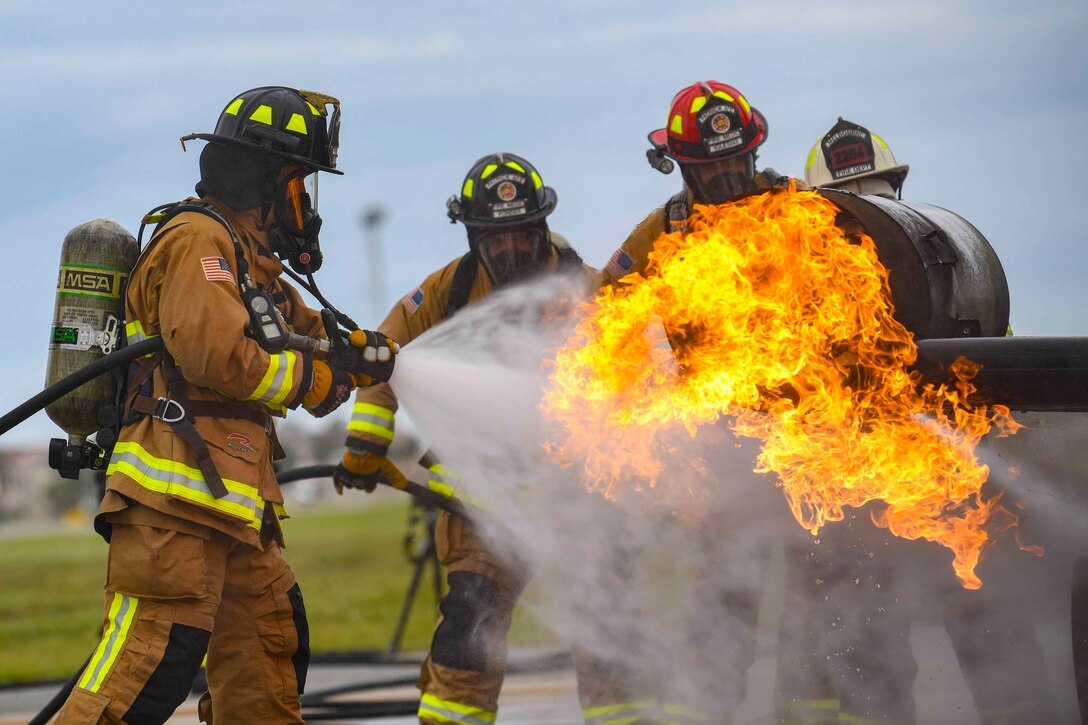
<point x="171" y="681"/>
<point x="301" y="658"/>
<point x="472" y="634"/>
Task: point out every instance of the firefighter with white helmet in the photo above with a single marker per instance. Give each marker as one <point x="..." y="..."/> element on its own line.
<point x="853" y="158"/>
<point x="831" y="672"/>
<point x="192" y="506"/>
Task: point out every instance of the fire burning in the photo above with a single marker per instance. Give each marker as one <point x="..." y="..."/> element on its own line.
<point x="781" y="322"/>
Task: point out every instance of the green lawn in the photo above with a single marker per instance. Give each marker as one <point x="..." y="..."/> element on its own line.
<point x="350" y="563"/>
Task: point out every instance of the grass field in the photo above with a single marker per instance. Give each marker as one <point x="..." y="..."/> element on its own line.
<point x="350" y="562"/>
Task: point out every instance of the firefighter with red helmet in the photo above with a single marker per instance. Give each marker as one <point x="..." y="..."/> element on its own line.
<point x="713" y="133"/>
<point x="504" y="206"/>
<point x="192" y="506"/>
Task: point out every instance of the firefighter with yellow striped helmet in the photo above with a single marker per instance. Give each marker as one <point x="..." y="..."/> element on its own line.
<point x="504" y="204"/>
<point x="853" y="158"/>
<point x="192" y="507"/>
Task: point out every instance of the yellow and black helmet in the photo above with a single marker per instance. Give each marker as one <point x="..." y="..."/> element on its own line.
<point x="282" y="122"/>
<point x="501" y="190"/>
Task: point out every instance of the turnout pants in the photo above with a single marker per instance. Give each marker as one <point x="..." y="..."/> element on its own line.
<point x="845" y="654"/>
<point x="174" y="595"/>
<point x="464" y="670"/>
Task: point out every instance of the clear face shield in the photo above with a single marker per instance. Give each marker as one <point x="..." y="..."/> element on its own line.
<point x="513" y="254"/>
<point x="715" y="182"/>
<point x="299" y="201"/>
<point x="294" y="236"/>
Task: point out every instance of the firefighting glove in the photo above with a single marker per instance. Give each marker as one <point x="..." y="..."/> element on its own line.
<point x="369" y="356"/>
<point x="365" y="470"/>
<point x="331" y="386"/>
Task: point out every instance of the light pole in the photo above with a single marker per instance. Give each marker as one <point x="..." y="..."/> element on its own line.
<point x="372" y="218"/>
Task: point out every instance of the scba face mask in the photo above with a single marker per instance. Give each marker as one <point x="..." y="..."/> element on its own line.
<point x="294" y="234"/>
<point x="511" y="255"/>
<point x="718" y="181"/>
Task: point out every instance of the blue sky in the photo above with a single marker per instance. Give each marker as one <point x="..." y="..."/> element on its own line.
<point x="986" y="100"/>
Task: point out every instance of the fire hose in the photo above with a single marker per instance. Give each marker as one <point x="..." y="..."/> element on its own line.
<point x="1032" y="373"/>
<point x="62" y="387"/>
<point x="422" y="494"/>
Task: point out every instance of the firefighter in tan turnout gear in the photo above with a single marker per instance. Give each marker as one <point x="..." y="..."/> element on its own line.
<point x="192" y="507"/>
<point x="713" y="134"/>
<point x="503" y="204"/>
<point x="832" y="670"/>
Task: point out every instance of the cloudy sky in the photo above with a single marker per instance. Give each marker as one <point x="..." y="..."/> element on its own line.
<point x="986" y="100"/>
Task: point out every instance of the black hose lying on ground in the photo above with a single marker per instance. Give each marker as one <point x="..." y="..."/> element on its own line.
<point x="53" y="706"/>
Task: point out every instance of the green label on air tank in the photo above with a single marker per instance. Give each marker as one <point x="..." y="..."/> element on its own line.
<point x="65" y="335"/>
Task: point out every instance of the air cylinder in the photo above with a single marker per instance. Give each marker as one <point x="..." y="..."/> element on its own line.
<point x="88" y="319"/>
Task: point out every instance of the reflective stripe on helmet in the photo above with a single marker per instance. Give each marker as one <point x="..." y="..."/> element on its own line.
<point x="297" y="124"/>
<point x="466" y="190"/>
<point x="174" y="478"/>
<point x="232" y="109"/>
<point x="263" y="114"/>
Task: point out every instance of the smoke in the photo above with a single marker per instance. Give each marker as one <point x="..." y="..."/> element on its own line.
<point x="672" y="592"/>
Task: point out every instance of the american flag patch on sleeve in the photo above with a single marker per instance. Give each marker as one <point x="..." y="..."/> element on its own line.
<point x="216" y="269"/>
<point x="620" y="265"/>
<point x="413" y="300"/>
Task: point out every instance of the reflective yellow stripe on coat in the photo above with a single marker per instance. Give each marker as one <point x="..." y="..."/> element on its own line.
<point x="444" y="481"/>
<point x="174" y="478"/>
<point x="372" y="419"/>
<point x="278" y="381"/>
<point x="439" y="710"/>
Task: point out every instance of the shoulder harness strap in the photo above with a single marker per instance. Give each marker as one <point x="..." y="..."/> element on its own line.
<point x="463" y="278"/>
<point x="677" y="211"/>
<point x="569" y="260"/>
<point x="206" y="209"/>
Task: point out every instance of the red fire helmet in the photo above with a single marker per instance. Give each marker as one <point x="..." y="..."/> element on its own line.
<point x="709" y="121"/>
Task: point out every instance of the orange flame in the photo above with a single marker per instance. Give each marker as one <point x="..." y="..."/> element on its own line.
<point x="778" y="320"/>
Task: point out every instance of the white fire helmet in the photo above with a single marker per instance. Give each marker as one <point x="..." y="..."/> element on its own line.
<point x="853" y="158"/>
